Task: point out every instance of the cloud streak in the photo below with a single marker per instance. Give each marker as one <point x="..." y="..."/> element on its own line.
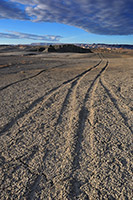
<point x="103" y="17"/>
<point x="9" y="10"/>
<point x="18" y="35"/>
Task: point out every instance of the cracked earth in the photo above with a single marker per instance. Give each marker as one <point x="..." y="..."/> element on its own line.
<point x="66" y="126"/>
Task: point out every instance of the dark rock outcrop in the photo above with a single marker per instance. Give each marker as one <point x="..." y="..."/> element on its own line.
<point x="37" y="49"/>
<point x="49" y="49"/>
<point x="66" y="48"/>
<point x="61" y="48"/>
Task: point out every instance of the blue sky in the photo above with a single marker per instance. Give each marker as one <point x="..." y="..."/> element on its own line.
<point x="69" y="21"/>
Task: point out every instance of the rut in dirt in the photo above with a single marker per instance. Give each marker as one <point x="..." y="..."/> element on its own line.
<point x="41" y="100"/>
<point x="83" y="116"/>
<point x="116" y="105"/>
<point x="74" y="149"/>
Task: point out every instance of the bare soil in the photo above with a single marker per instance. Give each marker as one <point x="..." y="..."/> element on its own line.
<point x="66" y="126"/>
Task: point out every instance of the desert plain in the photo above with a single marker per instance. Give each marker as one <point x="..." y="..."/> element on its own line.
<point x="66" y="125"/>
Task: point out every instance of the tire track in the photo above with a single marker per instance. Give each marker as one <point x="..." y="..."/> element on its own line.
<point x="40" y="101"/>
<point x="91" y="115"/>
<point x="120" y="97"/>
<point x="113" y="97"/>
<point x="4" y="66"/>
<point x="114" y="100"/>
<point x="129" y="110"/>
<point x="74" y="141"/>
<point x="72" y="91"/>
<point x="83" y="116"/>
<point x="31" y="189"/>
<point x="124" y="106"/>
<point x="71" y="104"/>
<point x="28" y="78"/>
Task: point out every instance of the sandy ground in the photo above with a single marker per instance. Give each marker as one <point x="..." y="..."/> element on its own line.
<point x="65" y="126"/>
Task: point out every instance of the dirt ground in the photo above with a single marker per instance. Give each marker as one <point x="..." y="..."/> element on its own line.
<point x="66" y="126"/>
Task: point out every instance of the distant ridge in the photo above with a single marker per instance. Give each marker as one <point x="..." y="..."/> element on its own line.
<point x="111" y="46"/>
<point x="94" y="46"/>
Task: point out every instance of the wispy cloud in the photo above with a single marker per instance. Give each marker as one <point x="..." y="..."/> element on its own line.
<point x="113" y="17"/>
<point x="18" y="35"/>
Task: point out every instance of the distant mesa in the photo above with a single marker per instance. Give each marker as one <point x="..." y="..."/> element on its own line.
<point x="62" y="49"/>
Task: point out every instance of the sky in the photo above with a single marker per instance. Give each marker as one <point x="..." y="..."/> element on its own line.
<point x="66" y="21"/>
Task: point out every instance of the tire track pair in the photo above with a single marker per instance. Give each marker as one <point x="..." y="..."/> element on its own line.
<point x="74" y="137"/>
<point x="84" y="114"/>
<point x="40" y="101"/>
<point x="28" y="78"/>
<point x="71" y="93"/>
<point x="74" y="84"/>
